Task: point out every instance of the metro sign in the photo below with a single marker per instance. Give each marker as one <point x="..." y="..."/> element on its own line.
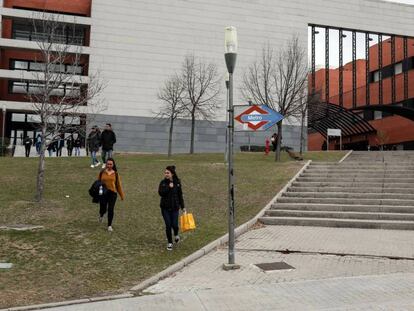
<point x="258" y="117"/>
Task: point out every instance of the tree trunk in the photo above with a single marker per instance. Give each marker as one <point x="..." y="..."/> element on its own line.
<point x="40" y="183"/>
<point x="301" y="133"/>
<point x="279" y="141"/>
<point x="192" y="133"/>
<point x="170" y="136"/>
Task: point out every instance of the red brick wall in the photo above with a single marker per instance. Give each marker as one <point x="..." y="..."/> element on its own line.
<point x="80" y="7"/>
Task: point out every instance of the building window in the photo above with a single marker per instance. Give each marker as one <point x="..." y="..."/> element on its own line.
<point x="36" y="66"/>
<point x="377" y="75"/>
<point x="398" y="68"/>
<point x="65" y="34"/>
<point x="377" y="115"/>
<point x="35" y="88"/>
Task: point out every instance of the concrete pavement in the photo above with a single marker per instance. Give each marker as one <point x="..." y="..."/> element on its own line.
<point x="334" y="269"/>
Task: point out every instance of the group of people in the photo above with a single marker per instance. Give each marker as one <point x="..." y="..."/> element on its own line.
<point x="54" y="146"/>
<point x="104" y="140"/>
<point x="71" y="143"/>
<point x="170" y="191"/>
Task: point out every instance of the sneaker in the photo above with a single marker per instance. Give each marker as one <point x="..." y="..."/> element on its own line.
<point x="169" y="247"/>
<point x="110" y="229"/>
<point x="97" y="164"/>
<point x="92" y="165"/>
<point x="103" y="165"/>
<point x="100" y="219"/>
<point x="177" y="239"/>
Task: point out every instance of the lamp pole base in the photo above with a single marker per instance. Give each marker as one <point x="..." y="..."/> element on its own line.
<point x="230" y="266"/>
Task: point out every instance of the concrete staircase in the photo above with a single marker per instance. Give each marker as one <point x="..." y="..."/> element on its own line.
<point x="367" y="190"/>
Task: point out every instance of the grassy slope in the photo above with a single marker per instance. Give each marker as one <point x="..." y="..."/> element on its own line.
<point x="74" y="256"/>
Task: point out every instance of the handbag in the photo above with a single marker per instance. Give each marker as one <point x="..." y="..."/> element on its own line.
<point x="187" y="222"/>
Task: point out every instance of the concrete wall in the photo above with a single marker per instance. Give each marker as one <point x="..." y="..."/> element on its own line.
<point x="137" y="44"/>
<point x="145" y="134"/>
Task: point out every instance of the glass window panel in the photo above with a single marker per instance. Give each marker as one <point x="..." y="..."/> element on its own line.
<point x="18" y="117"/>
<point x="76" y="70"/>
<point x="36" y="88"/>
<point x="72" y="120"/>
<point x="19" y="87"/>
<point x="20" y="65"/>
<point x="59" y="91"/>
<point x="377" y="115"/>
<point x="37" y="66"/>
<point x="72" y="91"/>
<point x="34" y="118"/>
<point x="398" y="68"/>
<point x="376" y="76"/>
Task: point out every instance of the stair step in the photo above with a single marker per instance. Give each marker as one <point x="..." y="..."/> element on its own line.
<point x="344" y="207"/>
<point x="352" y="184"/>
<point x="350" y="195"/>
<point x="340" y="214"/>
<point x="350" y="189"/>
<point x="358" y="179"/>
<point x="347" y="201"/>
<point x="359" y="175"/>
<point x="337" y="222"/>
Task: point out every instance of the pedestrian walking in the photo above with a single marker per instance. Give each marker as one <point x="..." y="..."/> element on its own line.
<point x="112" y="181"/>
<point x="51" y="148"/>
<point x="38" y="143"/>
<point x="273" y="139"/>
<point x="27" y="145"/>
<point x="94" y="140"/>
<point x="60" y="144"/>
<point x="108" y="139"/>
<point x="69" y="145"/>
<point x="77" y="145"/>
<point x="172" y="201"/>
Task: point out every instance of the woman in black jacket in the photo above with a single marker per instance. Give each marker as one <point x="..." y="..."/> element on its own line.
<point x="172" y="200"/>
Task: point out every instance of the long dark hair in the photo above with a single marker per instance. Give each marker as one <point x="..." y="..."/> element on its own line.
<point x="171" y="168"/>
<point x="113" y="161"/>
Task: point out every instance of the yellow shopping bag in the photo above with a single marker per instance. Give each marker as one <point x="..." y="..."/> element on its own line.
<point x="187" y="222"/>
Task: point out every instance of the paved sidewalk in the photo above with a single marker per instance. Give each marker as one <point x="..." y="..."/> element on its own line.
<point x="334" y="269"/>
<point x="392" y="292"/>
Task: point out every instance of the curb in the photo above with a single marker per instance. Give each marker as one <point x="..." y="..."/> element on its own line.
<point x="134" y="291"/>
<point x="345" y="156"/>
<point x="68" y="303"/>
<point x="216" y="243"/>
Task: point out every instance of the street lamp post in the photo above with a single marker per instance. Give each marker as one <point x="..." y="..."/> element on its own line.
<point x="230" y="55"/>
<point x="227" y="115"/>
<point x="3" y="130"/>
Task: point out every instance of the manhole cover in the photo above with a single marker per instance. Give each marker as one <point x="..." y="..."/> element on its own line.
<point x="273" y="266"/>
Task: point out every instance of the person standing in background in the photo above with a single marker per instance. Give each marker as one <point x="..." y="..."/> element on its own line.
<point x="69" y="145"/>
<point x="27" y="145"/>
<point x="108" y="139"/>
<point x="94" y="141"/>
<point x="77" y="145"/>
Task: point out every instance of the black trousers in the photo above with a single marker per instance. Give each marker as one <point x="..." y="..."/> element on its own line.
<point x="27" y="149"/>
<point x="171" y="222"/>
<point x="70" y="152"/>
<point x="107" y="203"/>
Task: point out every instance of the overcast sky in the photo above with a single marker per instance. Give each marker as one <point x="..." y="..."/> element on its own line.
<point x="403" y="1"/>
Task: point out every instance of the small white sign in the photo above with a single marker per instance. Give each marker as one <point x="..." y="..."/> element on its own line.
<point x="334" y="132"/>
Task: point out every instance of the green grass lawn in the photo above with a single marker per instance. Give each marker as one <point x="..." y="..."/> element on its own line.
<point x="74" y="256"/>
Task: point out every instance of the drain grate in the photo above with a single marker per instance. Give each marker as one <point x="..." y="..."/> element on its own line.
<point x="273" y="266"/>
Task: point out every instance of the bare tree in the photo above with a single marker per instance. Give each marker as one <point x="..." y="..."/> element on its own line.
<point x="202" y="90"/>
<point x="171" y="94"/>
<point x="278" y="80"/>
<point x="59" y="95"/>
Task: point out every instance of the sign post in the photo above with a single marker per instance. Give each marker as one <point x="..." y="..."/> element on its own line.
<point x="255" y="118"/>
<point x="334" y="132"/>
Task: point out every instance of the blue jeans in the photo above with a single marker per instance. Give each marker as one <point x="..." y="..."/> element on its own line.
<point x="171" y="222"/>
<point x="106" y="154"/>
<point x="77" y="151"/>
<point x="93" y="157"/>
